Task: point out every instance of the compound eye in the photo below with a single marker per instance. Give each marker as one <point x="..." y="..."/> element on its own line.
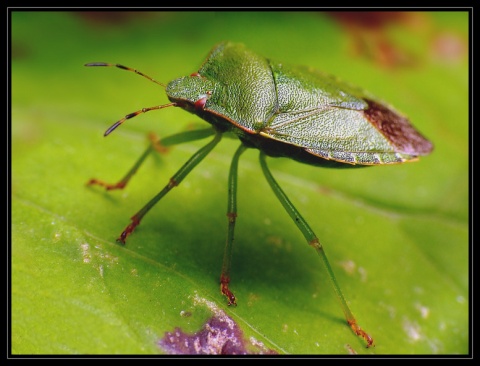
<point x="200" y="103"/>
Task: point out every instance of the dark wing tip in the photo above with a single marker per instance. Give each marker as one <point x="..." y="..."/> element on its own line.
<point x="397" y="129"/>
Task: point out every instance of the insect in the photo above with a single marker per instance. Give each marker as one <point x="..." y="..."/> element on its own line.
<point x="283" y="111"/>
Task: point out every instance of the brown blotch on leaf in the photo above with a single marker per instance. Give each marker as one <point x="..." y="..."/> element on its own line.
<point x="397" y="129"/>
<point x="370" y="38"/>
<point x="19" y="51"/>
<point x="110" y="17"/>
<point x="368" y="19"/>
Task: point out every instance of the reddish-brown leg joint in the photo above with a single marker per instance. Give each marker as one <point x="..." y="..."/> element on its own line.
<point x="108" y="187"/>
<point x="129" y="229"/>
<point x="225" y="290"/>
<point x="232" y="216"/>
<point x="157" y="143"/>
<point x="172" y="183"/>
<point x="360" y="332"/>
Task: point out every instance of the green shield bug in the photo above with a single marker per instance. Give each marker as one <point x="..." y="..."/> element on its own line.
<point x="283" y="111"/>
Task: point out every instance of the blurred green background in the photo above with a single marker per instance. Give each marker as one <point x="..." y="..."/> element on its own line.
<point x="397" y="236"/>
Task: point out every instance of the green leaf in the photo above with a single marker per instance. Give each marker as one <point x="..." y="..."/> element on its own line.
<point x="396" y="236"/>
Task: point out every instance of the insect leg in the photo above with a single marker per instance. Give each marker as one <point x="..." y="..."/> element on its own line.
<point x="123" y="182"/>
<point x="174" y="139"/>
<point x="314" y="242"/>
<point x="232" y="216"/>
<point x="174" y="181"/>
<point x="187" y="136"/>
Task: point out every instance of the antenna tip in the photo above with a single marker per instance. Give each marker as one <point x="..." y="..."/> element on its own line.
<point x="97" y="64"/>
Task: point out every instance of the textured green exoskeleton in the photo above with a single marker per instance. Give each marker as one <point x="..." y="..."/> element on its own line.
<point x="283" y="111"/>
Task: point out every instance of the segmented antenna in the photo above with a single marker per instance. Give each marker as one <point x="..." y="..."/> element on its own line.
<point x="125" y="68"/>
<point x="143" y="110"/>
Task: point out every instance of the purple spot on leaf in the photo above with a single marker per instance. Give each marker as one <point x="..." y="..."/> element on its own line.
<point x="219" y="336"/>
